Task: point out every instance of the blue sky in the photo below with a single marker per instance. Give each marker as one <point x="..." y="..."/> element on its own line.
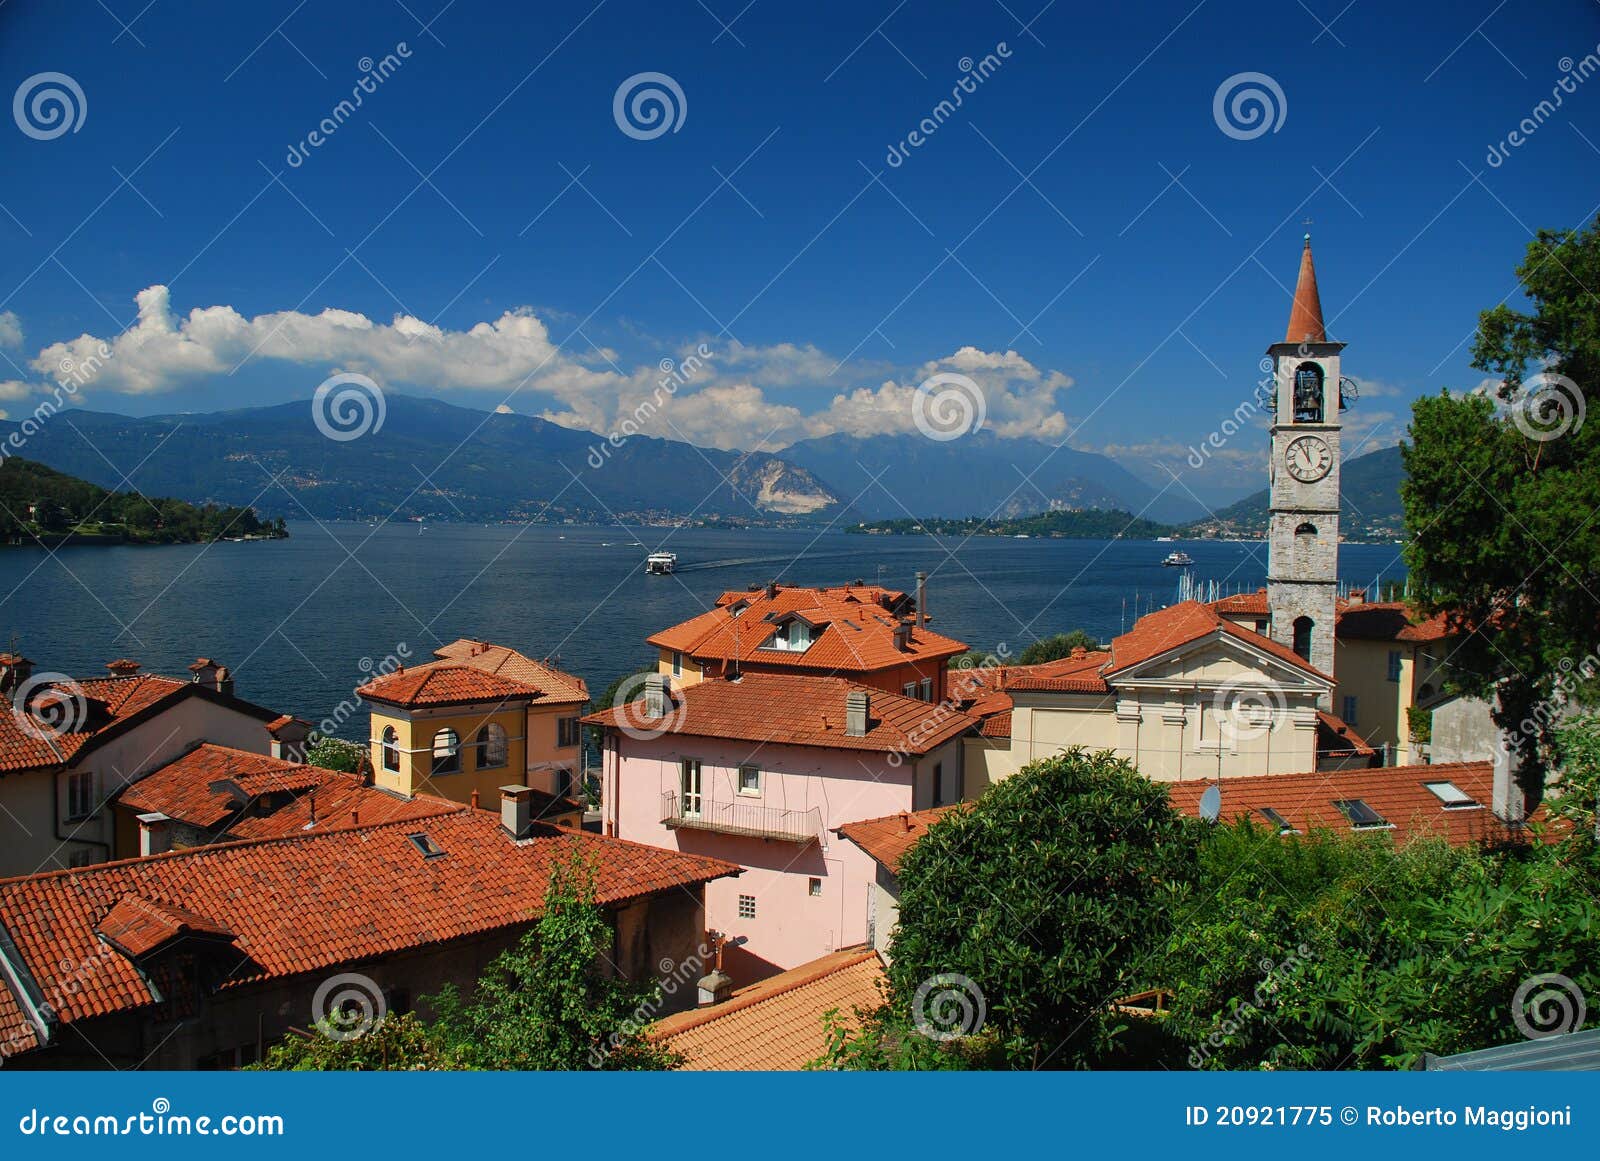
<point x="1080" y="236"/>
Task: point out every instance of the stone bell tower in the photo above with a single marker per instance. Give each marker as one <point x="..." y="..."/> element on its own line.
<point x="1303" y="534"/>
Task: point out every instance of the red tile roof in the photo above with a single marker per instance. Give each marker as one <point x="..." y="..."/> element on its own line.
<point x="554" y="685"/>
<point x="776" y="1025"/>
<point x="217" y="786"/>
<point x="887" y="839"/>
<point x="796" y="710"/>
<point x="1397" y="793"/>
<point x="440" y="683"/>
<point x="136" y="926"/>
<point x="309" y="904"/>
<point x="1335" y="736"/>
<point x="1243" y="604"/>
<point x="1179" y="624"/>
<point x="857" y="632"/>
<point x="90" y="706"/>
<point x="1305" y="317"/>
<point x="1356" y="620"/>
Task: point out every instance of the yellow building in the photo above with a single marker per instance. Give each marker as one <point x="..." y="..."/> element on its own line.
<point x="478" y="718"/>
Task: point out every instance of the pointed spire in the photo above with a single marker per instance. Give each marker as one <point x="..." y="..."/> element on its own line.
<point x="1305" y="319"/>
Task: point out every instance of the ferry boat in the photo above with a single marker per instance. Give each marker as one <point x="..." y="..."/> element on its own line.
<point x="1179" y="559"/>
<point x="660" y="563"/>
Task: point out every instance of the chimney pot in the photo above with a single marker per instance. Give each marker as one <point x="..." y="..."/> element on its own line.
<point x="922" y="598"/>
<point x="714" y="988"/>
<point x="155" y="834"/>
<point x="656" y="700"/>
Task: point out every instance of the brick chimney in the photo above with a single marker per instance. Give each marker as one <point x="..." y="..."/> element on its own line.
<point x="922" y="599"/>
<point x="856" y="706"/>
<point x="122" y="667"/>
<point x="516" y="810"/>
<point x="902" y="636"/>
<point x="1356" y="597"/>
<point x="155" y="834"/>
<point x="289" y="736"/>
<point x="15" y="669"/>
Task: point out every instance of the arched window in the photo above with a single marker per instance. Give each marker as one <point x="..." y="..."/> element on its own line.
<point x="1302" y="637"/>
<point x="391" y="749"/>
<point x="1307" y="529"/>
<point x="491" y="747"/>
<point x="446" y="752"/>
<point x="1308" y="393"/>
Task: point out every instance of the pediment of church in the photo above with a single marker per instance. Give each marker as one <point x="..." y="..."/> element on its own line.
<point x="1216" y="661"/>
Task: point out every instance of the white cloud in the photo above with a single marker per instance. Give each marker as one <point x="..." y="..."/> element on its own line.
<point x="10" y="329"/>
<point x="735" y="396"/>
<point x="15" y="389"/>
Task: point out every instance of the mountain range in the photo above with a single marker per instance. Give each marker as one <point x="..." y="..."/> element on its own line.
<point x="1369" y="495"/>
<point x="436" y="461"/>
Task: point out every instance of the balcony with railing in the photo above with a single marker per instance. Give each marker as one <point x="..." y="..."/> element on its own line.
<point x="749" y="819"/>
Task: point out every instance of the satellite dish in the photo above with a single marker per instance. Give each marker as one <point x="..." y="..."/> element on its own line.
<point x="1211" y="804"/>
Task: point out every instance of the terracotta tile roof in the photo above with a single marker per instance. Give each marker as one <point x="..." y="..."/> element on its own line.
<point x="97" y="704"/>
<point x="1398" y="793"/>
<point x="1335" y="736"/>
<point x="996" y="724"/>
<point x="887" y="839"/>
<point x="776" y="1025"/>
<point x="217" y="786"/>
<point x="1390" y="621"/>
<point x="857" y="633"/>
<point x="1179" y="624"/>
<point x="1243" y="604"/>
<point x="1305" y="317"/>
<point x="312" y="903"/>
<point x="797" y="710"/>
<point x="445" y="683"/>
<point x="136" y="926"/>
<point x="554" y="685"/>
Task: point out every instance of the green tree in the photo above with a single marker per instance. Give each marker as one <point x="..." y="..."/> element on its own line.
<point x="1043" y="898"/>
<point x="1499" y="500"/>
<point x="1056" y="647"/>
<point x="545" y="1004"/>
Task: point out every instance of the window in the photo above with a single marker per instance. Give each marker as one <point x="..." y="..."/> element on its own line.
<point x="750" y="780"/>
<point x="1361" y="816"/>
<point x="747" y="906"/>
<point x="1350" y="709"/>
<point x="492" y="748"/>
<point x="816" y="888"/>
<point x="567" y="731"/>
<point x="938" y="788"/>
<point x="1453" y="797"/>
<point x="391" y="749"/>
<point x="927" y="689"/>
<point x="1306" y="529"/>
<point x="446" y="752"/>
<point x="1302" y="637"/>
<point x="677" y="665"/>
<point x="564" y="783"/>
<point x="1308" y="393"/>
<point x="1276" y="819"/>
<point x="80" y="794"/>
<point x="82" y="857"/>
<point x="689" y="787"/>
<point x="909" y="689"/>
<point x="1394" y="665"/>
<point x="426" y="846"/>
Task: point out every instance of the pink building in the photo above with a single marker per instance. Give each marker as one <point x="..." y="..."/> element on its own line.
<point x="759" y="771"/>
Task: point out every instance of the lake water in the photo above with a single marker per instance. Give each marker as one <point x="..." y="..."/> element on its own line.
<point x="300" y="621"/>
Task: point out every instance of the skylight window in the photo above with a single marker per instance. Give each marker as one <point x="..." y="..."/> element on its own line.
<point x="425" y="844"/>
<point x="1361" y="816"/>
<point x="1276" y="819"/>
<point x="1453" y="797"/>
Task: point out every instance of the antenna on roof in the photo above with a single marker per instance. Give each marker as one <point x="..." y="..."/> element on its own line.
<point x="1211" y="803"/>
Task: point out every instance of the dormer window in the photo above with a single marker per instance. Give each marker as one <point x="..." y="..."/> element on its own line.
<point x="793" y="635"/>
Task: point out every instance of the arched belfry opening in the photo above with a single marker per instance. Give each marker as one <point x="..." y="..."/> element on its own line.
<point x="1302" y="637"/>
<point x="1308" y="393"/>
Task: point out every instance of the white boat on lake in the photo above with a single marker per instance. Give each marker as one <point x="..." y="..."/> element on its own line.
<point x="660" y="563"/>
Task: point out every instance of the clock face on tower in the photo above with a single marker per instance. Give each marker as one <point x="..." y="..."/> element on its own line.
<point x="1308" y="458"/>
